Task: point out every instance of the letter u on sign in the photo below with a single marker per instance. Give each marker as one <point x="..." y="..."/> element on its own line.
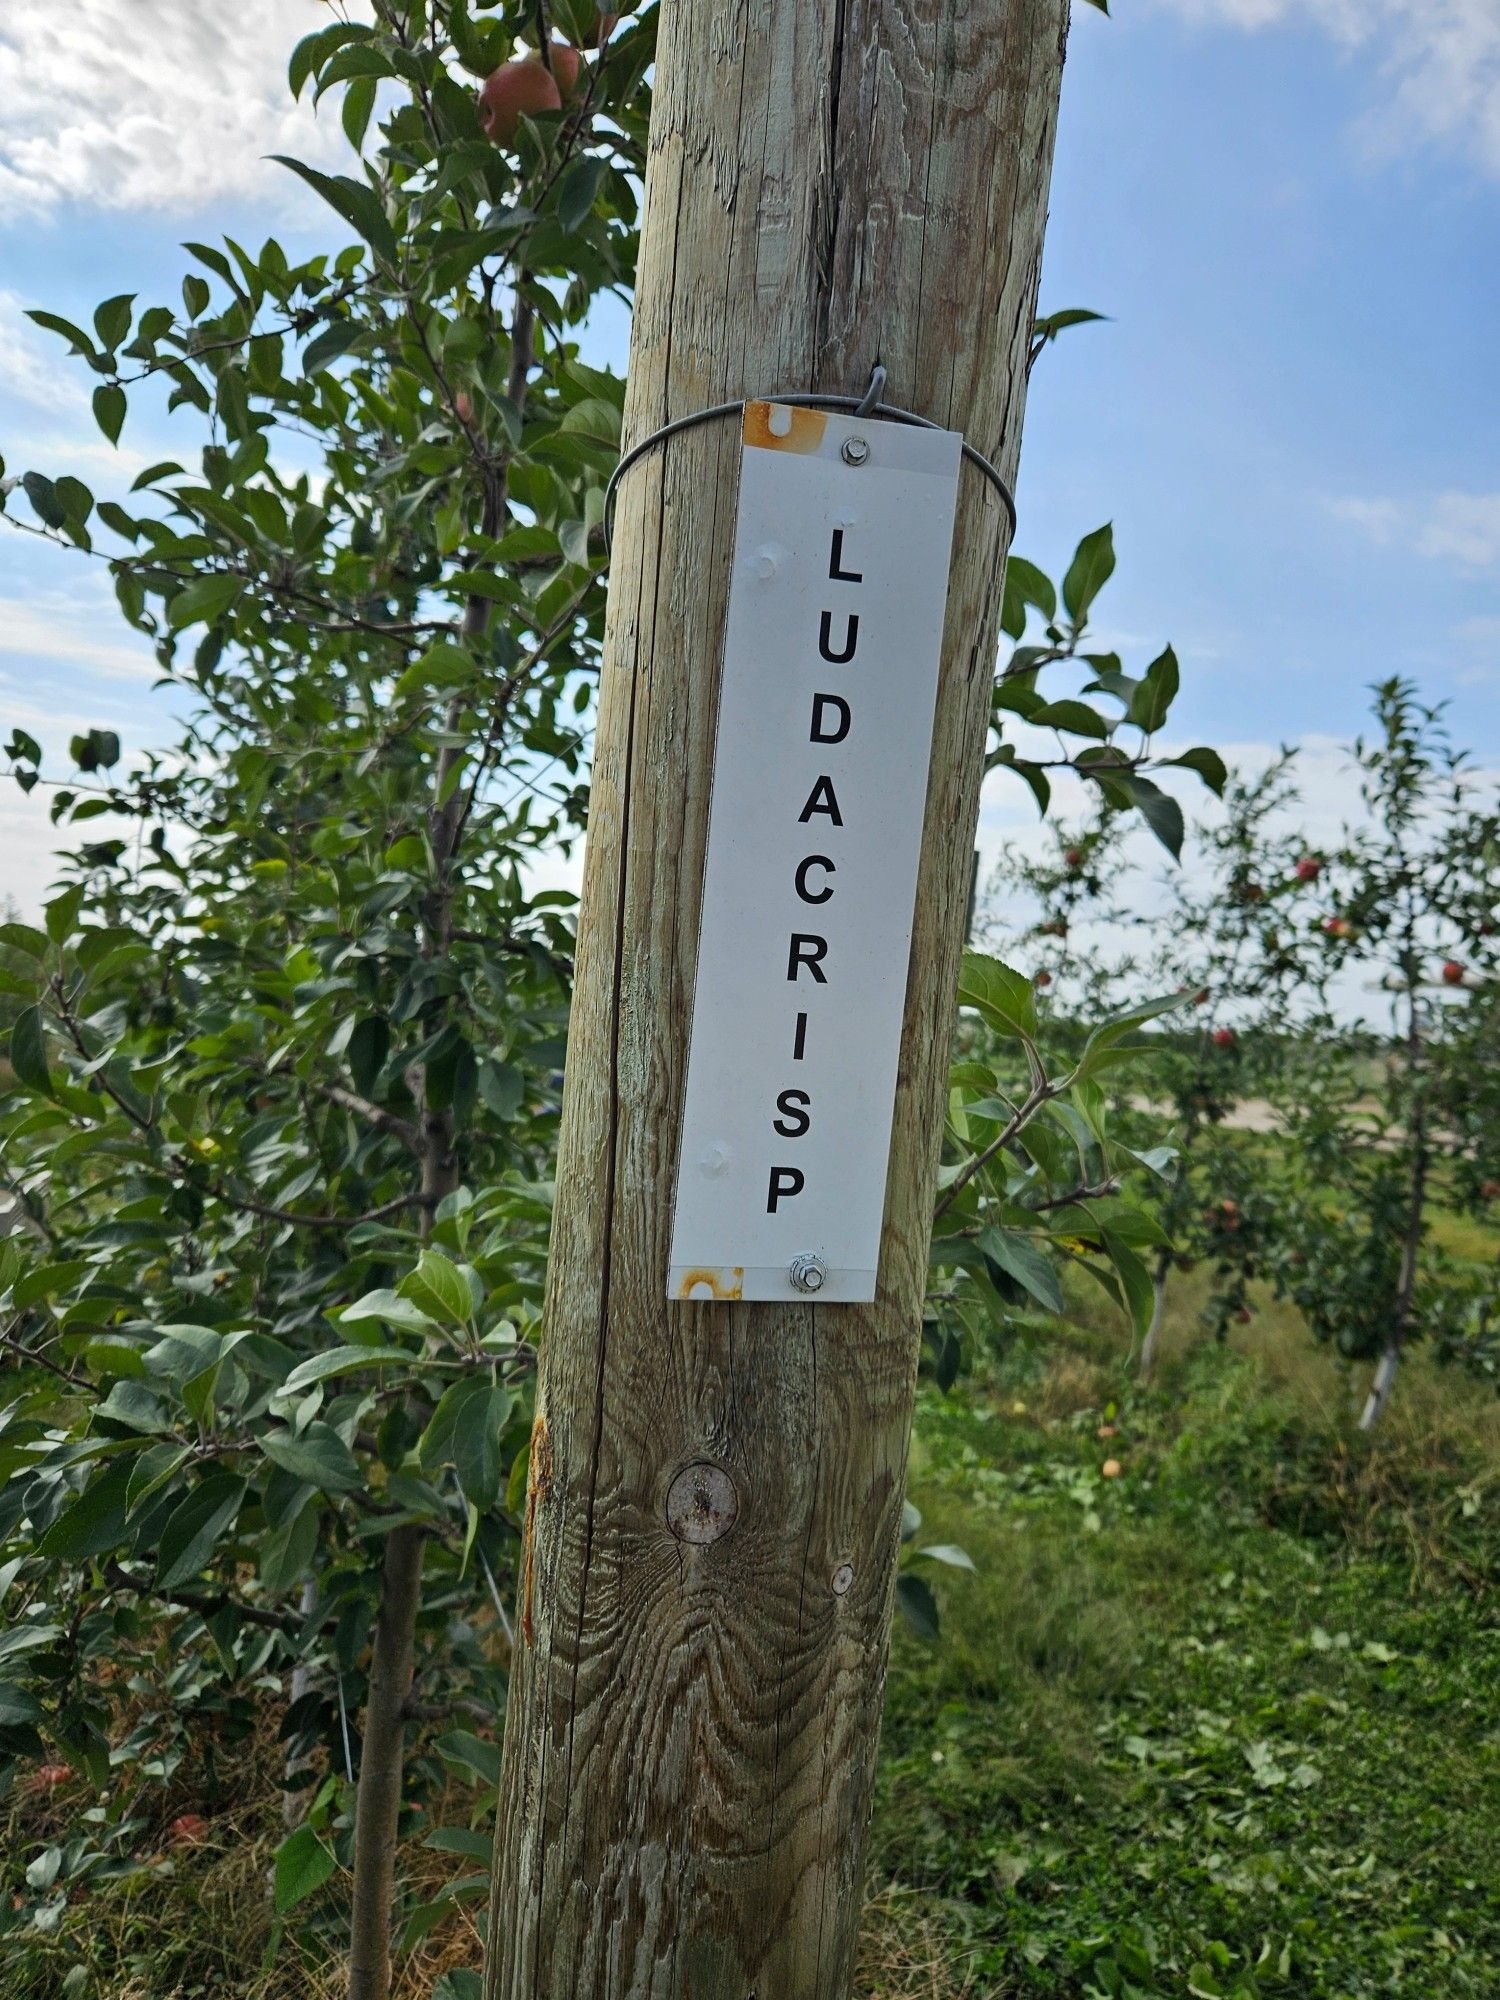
<point x="831" y="652"/>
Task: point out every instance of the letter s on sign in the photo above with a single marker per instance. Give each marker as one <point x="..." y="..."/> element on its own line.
<point x="795" y="1121"/>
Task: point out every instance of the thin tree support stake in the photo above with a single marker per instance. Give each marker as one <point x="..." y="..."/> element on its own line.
<point x="711" y="1543"/>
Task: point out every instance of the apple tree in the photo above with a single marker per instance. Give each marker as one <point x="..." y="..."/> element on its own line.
<point x="285" y="1052"/>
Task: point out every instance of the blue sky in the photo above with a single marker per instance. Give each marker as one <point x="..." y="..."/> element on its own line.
<point x="1290" y="209"/>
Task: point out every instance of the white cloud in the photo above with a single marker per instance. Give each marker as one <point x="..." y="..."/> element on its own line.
<point x="1440" y="58"/>
<point x="1380" y="519"/>
<point x="1476" y="651"/>
<point x="34" y="367"/>
<point x="1457" y="528"/>
<point x="51" y="626"/>
<point x="1464" y="527"/>
<point x="153" y="104"/>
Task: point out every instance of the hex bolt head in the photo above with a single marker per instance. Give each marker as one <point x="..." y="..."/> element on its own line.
<point x="854" y="451"/>
<point x="808" y="1274"/>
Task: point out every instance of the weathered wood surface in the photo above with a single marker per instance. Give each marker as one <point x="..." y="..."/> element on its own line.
<point x="694" y="1714"/>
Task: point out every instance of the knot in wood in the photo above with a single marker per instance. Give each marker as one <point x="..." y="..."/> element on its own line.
<point x="843" y="1576"/>
<point x="702" y="1504"/>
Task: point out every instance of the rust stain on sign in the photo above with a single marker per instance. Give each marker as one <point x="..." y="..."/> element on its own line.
<point x="538" y="1486"/>
<point x="783" y="427"/>
<point x="707" y="1282"/>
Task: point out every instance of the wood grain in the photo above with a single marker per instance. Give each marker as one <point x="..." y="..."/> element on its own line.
<point x="693" y="1721"/>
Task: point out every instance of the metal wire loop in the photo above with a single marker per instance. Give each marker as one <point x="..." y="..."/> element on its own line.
<point x="867" y="405"/>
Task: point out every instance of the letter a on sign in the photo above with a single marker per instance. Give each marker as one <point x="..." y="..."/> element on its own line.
<point x="831" y="653"/>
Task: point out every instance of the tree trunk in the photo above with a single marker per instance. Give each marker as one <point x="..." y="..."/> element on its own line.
<point x="1411" y="1245"/>
<point x="691" y="1737"/>
<point x="1158" y="1307"/>
<point x="378" y="1804"/>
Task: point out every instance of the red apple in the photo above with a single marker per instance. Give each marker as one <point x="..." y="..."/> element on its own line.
<point x="1337" y="926"/>
<point x="1043" y="978"/>
<point x="566" y="65"/>
<point x="1309" y="868"/>
<point x="1453" y="973"/>
<point x="189" y="1829"/>
<point x="1073" y="857"/>
<point x="1224" y="1038"/>
<point x="1201" y="997"/>
<point x="517" y="88"/>
<point x="1490" y="1190"/>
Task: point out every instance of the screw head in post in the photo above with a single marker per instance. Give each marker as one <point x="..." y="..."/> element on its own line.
<point x="854" y="451"/>
<point x="808" y="1274"/>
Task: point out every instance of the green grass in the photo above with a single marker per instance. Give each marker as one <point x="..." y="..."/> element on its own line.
<point x="1228" y="1723"/>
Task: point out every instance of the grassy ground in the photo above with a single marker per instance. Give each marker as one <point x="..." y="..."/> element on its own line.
<point x="1228" y="1723"/>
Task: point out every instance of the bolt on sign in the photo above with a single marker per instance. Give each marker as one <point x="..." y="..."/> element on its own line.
<point x="832" y="642"/>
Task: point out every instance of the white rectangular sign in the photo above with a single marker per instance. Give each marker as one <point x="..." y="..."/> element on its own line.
<point x="841" y="556"/>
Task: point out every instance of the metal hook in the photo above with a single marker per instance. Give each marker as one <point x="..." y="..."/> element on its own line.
<point x="866" y="404"/>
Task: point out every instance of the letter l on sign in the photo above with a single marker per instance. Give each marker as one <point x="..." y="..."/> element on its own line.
<point x="836" y="609"/>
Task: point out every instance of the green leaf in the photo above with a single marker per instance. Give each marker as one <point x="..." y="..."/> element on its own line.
<point x="44" y="500"/>
<point x="194" y="1529"/>
<point x="79" y="340"/>
<point x="318" y="1457"/>
<point x="465" y="1432"/>
<point x="917" y="1605"/>
<point x="442" y="665"/>
<point x="576" y="195"/>
<point x="1005" y="998"/>
<point x="23" y="937"/>
<point x="1025" y="585"/>
<point x="343" y="1361"/>
<point x="286" y="1552"/>
<point x="331" y="344"/>
<point x="354" y="113"/>
<point x="1092" y="566"/>
<point x="206" y="597"/>
<point x="356" y="201"/>
<point x="1018" y="1256"/>
<point x="1135" y="1280"/>
<point x="96" y="1519"/>
<point x="109" y="410"/>
<point x="471" y="1753"/>
<point x="1050" y="325"/>
<point x="28" y="1051"/>
<point x="438" y="1288"/>
<point x="62" y="913"/>
<point x="1075" y="716"/>
<point x="1159" y="809"/>
<point x="112" y="319"/>
<point x="17" y="1707"/>
<point x="303" y="1865"/>
<point x="1156" y="693"/>
<point x="387" y="1306"/>
<point x="948" y="1553"/>
<point x="1209" y="766"/>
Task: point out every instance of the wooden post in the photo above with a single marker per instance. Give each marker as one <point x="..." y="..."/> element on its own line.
<point x="715" y="1497"/>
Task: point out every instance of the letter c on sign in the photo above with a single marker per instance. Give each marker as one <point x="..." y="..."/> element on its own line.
<point x="814" y="895"/>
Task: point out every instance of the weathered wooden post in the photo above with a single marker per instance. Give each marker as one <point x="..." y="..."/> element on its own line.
<point x="715" y="1492"/>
